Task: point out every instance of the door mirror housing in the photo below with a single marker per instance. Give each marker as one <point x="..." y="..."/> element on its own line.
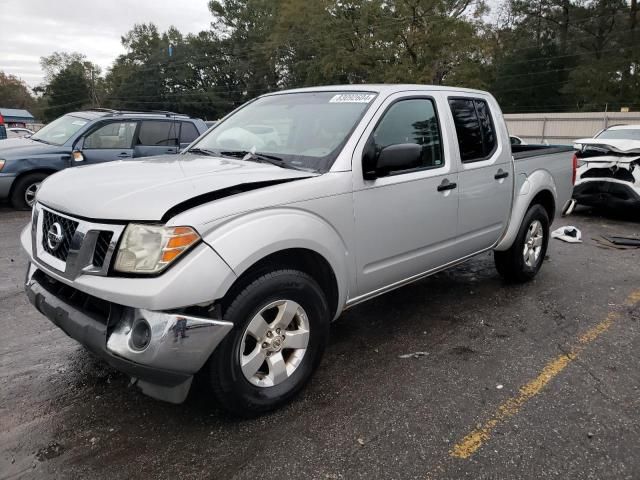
<point x="77" y="156"/>
<point x="393" y="158"/>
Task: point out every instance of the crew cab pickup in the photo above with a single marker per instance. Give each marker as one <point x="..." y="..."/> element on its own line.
<point x="232" y="258"/>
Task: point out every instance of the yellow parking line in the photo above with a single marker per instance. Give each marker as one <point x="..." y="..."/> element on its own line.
<point x="474" y="440"/>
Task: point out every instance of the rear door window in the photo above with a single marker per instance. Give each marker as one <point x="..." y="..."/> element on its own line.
<point x="158" y="133"/>
<point x="474" y="128"/>
<point x="188" y="132"/>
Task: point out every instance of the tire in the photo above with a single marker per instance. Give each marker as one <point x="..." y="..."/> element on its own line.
<point x="235" y="389"/>
<point x="516" y="264"/>
<point x="27" y="183"/>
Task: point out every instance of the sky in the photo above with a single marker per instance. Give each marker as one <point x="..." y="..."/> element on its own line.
<point x="31" y="29"/>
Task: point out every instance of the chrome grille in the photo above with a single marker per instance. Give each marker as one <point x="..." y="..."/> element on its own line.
<point x="86" y="247"/>
<point x="102" y="246"/>
<point x="68" y="228"/>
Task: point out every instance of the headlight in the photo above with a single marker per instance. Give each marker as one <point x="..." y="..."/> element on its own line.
<point x="151" y="248"/>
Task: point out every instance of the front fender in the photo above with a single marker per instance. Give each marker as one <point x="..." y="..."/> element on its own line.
<point x="244" y="240"/>
<point x="527" y="188"/>
<point x="40" y="162"/>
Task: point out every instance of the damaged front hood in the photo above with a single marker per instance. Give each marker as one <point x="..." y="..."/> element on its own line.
<point x="611" y="144"/>
<point x="148" y="188"/>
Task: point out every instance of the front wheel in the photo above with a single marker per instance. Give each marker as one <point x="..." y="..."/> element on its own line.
<point x="523" y="260"/>
<point x="281" y="327"/>
<point x="23" y="195"/>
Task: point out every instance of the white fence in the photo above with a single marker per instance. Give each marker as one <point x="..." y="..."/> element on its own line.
<point x="564" y="128"/>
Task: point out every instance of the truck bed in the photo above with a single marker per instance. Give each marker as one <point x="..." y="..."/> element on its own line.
<point x="556" y="160"/>
<point x="527" y="151"/>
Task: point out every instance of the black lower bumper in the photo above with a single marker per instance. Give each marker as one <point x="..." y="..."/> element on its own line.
<point x="91" y="331"/>
<point x="606" y="194"/>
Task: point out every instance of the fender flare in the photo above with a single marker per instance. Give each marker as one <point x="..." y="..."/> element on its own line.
<point x="246" y="239"/>
<point x="539" y="181"/>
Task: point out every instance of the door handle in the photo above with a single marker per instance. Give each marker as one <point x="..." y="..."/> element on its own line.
<point x="501" y="174"/>
<point x="124" y="155"/>
<point x="446" y="185"/>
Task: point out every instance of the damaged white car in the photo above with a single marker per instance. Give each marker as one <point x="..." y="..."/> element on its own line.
<point x="608" y="171"/>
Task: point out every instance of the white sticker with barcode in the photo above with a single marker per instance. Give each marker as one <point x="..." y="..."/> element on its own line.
<point x="352" y="98"/>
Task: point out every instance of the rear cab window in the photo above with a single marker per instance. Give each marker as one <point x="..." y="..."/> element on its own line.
<point x="474" y="128"/>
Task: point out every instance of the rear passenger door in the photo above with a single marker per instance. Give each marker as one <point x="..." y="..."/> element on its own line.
<point x="157" y="137"/>
<point x="485" y="177"/>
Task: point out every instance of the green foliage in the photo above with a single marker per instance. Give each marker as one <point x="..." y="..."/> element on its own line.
<point x="14" y="93"/>
<point x="71" y="83"/>
<point x="67" y="91"/>
<point x="538" y="55"/>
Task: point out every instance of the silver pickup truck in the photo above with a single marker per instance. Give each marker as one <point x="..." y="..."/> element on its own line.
<point x="232" y="258"/>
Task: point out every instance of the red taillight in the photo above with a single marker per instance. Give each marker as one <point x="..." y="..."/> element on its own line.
<point x="574" y="162"/>
<point x="1" y="120"/>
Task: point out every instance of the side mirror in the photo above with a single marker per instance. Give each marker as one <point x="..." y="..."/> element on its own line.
<point x="393" y="158"/>
<point x="77" y="156"/>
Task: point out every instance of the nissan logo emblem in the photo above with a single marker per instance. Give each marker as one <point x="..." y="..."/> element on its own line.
<point x="54" y="236"/>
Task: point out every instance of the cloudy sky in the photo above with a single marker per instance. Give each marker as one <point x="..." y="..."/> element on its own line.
<point x="35" y="28"/>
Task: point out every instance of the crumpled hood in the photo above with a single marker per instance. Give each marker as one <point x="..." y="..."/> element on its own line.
<point x="17" y="148"/>
<point x="147" y="188"/>
<point x="613" y="144"/>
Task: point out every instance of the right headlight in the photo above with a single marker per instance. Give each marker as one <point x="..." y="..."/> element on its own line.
<point x="152" y="248"/>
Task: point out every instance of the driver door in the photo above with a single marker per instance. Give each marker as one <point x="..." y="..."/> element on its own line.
<point x="406" y="220"/>
<point x="110" y="141"/>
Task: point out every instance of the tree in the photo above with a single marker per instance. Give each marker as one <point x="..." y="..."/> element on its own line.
<point x="14" y="93"/>
<point x="67" y="91"/>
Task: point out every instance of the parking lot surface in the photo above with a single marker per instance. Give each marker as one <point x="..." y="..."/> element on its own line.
<point x="530" y="381"/>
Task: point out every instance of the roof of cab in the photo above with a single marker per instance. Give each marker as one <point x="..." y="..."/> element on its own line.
<point x="379" y="88"/>
<point x="623" y="127"/>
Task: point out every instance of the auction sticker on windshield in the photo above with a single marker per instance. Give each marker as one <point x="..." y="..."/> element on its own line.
<point x="352" y="98"/>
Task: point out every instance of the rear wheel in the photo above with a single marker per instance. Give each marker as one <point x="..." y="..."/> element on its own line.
<point x="523" y="260"/>
<point x="23" y="195"/>
<point x="281" y="327"/>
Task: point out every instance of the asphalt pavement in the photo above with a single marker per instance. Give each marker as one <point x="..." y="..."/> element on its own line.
<point x="456" y="376"/>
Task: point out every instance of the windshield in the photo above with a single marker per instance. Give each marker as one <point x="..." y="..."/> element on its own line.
<point x="305" y="130"/>
<point x="621" y="134"/>
<point x="60" y="130"/>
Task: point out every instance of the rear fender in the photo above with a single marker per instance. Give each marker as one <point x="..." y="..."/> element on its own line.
<point x="244" y="240"/>
<point x="528" y="186"/>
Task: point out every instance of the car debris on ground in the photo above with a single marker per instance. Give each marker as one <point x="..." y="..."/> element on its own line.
<point x="567" y="234"/>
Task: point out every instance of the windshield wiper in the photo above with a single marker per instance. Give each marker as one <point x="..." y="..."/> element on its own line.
<point x="40" y="140"/>
<point x="257" y="157"/>
<point x="209" y="153"/>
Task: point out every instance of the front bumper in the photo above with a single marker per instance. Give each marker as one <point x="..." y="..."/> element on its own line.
<point x="605" y="193"/>
<point x="178" y="345"/>
<point x="6" y="181"/>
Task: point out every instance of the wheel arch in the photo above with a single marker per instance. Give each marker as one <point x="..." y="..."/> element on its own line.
<point x="285" y="238"/>
<point x="546" y="199"/>
<point x="301" y="259"/>
<point x="537" y="188"/>
<point x="21" y="175"/>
